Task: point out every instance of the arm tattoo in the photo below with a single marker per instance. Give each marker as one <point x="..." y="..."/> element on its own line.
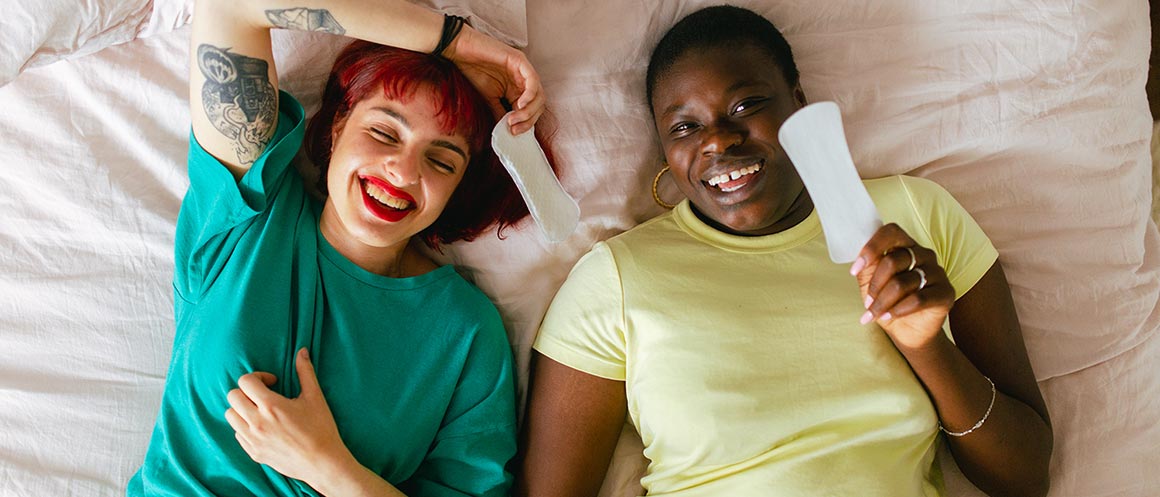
<point x="238" y="99"/>
<point x="304" y="19"/>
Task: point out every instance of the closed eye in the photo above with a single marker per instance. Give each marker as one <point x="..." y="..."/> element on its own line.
<point x="384" y="136"/>
<point x="443" y="166"/>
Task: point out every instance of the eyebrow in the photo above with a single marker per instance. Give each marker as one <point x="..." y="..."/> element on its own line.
<point x="450" y="146"/>
<point x="732" y="88"/>
<point x="438" y="143"/>
<point x="398" y="117"/>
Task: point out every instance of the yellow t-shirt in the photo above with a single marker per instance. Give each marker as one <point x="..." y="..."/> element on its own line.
<point x="745" y="367"/>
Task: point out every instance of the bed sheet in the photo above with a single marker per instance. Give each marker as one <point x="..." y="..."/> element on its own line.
<point x="1031" y="112"/>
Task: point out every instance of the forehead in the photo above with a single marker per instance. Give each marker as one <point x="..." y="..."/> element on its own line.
<point x="711" y="71"/>
<point x="422" y="108"/>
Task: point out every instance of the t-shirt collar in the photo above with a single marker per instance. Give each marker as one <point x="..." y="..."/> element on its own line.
<point x="800" y="233"/>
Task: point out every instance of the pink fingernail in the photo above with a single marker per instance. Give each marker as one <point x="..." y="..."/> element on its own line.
<point x="869" y="300"/>
<point x="886" y="316"/>
<point x="867" y="317"/>
<point x="857" y="267"/>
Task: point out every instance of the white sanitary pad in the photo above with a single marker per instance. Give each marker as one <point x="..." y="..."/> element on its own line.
<point x="816" y="143"/>
<point x="553" y="209"/>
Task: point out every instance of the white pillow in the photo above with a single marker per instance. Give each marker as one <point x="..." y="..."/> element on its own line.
<point x="38" y="32"/>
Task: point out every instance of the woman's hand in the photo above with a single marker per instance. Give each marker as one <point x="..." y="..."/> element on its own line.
<point x="903" y="288"/>
<point x="499" y="71"/>
<point x="297" y="437"/>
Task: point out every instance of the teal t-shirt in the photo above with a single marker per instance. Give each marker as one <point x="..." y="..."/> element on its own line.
<point x="417" y="371"/>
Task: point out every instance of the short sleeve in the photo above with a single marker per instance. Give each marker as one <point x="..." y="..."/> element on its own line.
<point x="964" y="251"/>
<point x="584" y="326"/>
<point x="216" y="203"/>
<point x="478" y="436"/>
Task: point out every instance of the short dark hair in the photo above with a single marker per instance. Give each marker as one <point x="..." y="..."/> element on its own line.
<point x="722" y="25"/>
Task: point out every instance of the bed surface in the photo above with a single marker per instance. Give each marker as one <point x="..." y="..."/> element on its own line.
<point x="1031" y="112"/>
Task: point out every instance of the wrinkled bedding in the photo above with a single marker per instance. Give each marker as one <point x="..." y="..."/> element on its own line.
<point x="1031" y="112"/>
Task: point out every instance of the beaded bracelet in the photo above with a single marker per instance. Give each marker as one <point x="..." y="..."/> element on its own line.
<point x="451" y="27"/>
<point x="981" y="421"/>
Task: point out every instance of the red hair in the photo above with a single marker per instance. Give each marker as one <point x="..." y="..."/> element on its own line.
<point x="486" y="196"/>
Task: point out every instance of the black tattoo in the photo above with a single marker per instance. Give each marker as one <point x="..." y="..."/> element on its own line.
<point x="304" y="19"/>
<point x="238" y="99"/>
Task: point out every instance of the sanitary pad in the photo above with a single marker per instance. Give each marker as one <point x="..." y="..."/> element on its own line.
<point x="553" y="209"/>
<point x="816" y="143"/>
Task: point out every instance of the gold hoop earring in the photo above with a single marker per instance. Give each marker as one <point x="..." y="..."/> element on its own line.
<point x="657" y="196"/>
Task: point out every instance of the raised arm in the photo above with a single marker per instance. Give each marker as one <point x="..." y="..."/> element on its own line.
<point x="570" y="431"/>
<point x="982" y="385"/>
<point x="234" y="84"/>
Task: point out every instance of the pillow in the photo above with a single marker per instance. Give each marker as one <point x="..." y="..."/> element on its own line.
<point x="38" y="32"/>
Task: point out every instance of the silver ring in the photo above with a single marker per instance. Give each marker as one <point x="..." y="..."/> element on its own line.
<point x="913" y="259"/>
<point x="921" y="277"/>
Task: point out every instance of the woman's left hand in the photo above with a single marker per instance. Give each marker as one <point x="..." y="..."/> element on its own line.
<point x="499" y="71"/>
<point x="903" y="288"/>
<point x="297" y="437"/>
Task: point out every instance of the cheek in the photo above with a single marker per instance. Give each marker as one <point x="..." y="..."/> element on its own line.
<point x="678" y="163"/>
<point x="441" y="189"/>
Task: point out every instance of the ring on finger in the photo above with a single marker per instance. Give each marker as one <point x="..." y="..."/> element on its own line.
<point x="913" y="259"/>
<point x="921" y="277"/>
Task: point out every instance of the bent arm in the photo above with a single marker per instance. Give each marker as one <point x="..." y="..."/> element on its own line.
<point x="570" y="431"/>
<point x="233" y="81"/>
<point x="1009" y="454"/>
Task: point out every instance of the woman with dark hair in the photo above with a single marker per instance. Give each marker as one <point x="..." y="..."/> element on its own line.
<point x="317" y="350"/>
<point x="747" y="361"/>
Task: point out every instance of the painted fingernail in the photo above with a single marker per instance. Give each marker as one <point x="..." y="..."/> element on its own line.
<point x="858" y="265"/>
<point x="869" y="300"/>
<point x="866" y="317"/>
<point x="886" y="316"/>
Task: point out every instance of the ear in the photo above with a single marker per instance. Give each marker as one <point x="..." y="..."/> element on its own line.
<point x="799" y="96"/>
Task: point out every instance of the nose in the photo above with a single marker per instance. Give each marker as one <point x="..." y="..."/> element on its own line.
<point x="721" y="135"/>
<point x="403" y="169"/>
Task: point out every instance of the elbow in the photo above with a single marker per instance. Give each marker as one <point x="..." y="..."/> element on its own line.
<point x="1036" y="484"/>
<point x="1032" y="479"/>
<point x="1028" y="486"/>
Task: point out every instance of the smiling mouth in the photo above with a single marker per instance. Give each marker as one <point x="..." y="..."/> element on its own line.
<point x="381" y="196"/>
<point x="735" y="179"/>
<point x="384" y="201"/>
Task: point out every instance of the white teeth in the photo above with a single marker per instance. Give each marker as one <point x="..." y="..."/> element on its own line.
<point x="733" y="175"/>
<point x="382" y="196"/>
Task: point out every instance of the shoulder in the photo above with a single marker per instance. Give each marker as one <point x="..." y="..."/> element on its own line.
<point x="468" y="323"/>
<point x="657" y="226"/>
<point x="904" y="199"/>
<point x="658" y="233"/>
<point x="907" y="190"/>
<point x="469" y="299"/>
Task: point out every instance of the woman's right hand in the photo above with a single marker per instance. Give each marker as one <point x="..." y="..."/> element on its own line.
<point x="499" y="71"/>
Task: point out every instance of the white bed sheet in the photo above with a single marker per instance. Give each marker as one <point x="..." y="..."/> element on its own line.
<point x="1031" y="112"/>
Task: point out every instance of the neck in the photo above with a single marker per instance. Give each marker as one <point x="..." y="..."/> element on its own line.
<point x="793" y="214"/>
<point x="396" y="260"/>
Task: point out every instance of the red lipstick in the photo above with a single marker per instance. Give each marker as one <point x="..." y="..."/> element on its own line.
<point x="377" y="208"/>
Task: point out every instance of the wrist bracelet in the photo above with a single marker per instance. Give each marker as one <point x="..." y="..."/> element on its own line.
<point x="981" y="421"/>
<point x="451" y="27"/>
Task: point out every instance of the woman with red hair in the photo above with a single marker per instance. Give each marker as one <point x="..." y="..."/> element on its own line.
<point x="317" y="350"/>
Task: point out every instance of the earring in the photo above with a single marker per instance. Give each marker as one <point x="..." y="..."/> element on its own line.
<point x="657" y="196"/>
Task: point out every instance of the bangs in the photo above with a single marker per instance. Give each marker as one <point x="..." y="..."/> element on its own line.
<point x="401" y="75"/>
